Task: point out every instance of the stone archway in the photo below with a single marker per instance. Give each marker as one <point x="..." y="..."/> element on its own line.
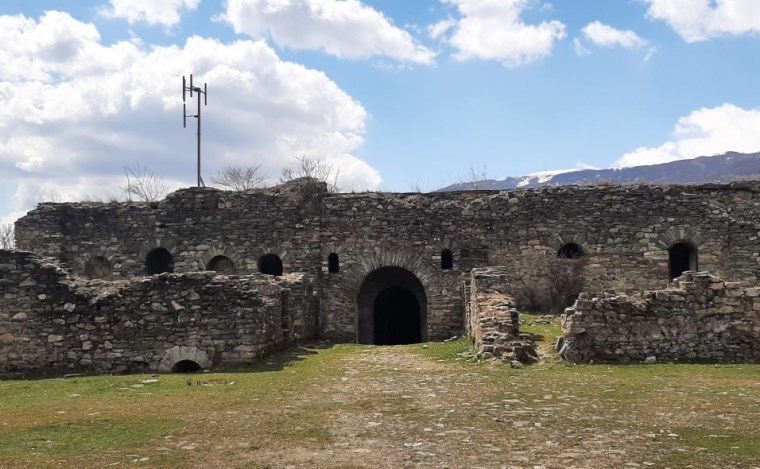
<point x="391" y="308"/>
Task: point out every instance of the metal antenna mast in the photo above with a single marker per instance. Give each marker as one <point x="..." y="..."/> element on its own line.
<point x="199" y="92"/>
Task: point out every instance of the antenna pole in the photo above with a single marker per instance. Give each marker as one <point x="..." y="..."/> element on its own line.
<point x="200" y="181"/>
<point x="199" y="91"/>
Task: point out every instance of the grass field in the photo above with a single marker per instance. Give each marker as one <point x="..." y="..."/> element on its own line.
<point x="419" y="405"/>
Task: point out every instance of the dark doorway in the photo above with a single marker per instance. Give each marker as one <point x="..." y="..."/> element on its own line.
<point x="270" y="264"/>
<point x="397" y="317"/>
<point x="447" y="260"/>
<point x="98" y="267"/>
<point x="391" y="308"/>
<point x="333" y="263"/>
<point x="222" y="265"/>
<point x="159" y="261"/>
<point x="570" y="251"/>
<point x="186" y="366"/>
<point x="682" y="256"/>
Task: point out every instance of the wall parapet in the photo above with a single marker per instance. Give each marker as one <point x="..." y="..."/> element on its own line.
<point x="698" y="318"/>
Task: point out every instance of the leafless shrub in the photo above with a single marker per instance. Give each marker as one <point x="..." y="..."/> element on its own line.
<point x="314" y="167"/>
<point x="143" y="184"/>
<point x="239" y="178"/>
<point x="473" y="177"/>
<point x="7" y="236"/>
<point x="549" y="283"/>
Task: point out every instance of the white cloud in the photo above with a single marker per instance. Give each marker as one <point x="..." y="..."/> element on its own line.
<point x="436" y="30"/>
<point x="579" y="48"/>
<point x="155" y="12"/>
<point x="603" y="35"/>
<point x="346" y="28"/>
<point x="704" y="132"/>
<point x="73" y="118"/>
<point x="494" y="30"/>
<point x="699" y="20"/>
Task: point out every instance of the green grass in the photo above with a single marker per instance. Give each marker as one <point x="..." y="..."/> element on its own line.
<point x="360" y="406"/>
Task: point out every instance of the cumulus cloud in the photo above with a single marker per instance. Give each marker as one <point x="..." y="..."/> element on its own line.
<point x="494" y="30"/>
<point x="75" y="111"/>
<point x="154" y="12"/>
<point x="603" y="35"/>
<point x="345" y="28"/>
<point x="699" y="20"/>
<point x="704" y="132"/>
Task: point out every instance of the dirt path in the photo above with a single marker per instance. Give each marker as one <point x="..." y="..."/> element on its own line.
<point x="388" y="407"/>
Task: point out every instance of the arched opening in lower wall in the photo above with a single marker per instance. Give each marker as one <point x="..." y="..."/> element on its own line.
<point x="186" y="366"/>
<point x="270" y="264"/>
<point x="221" y="265"/>
<point x="682" y="256"/>
<point x="391" y="308"/>
<point x="159" y="261"/>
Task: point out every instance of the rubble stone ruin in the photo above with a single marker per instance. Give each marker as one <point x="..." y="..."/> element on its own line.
<point x="207" y="277"/>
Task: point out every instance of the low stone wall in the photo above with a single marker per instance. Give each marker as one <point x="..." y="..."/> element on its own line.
<point x="492" y="320"/>
<point x="698" y="318"/>
<point x="51" y="323"/>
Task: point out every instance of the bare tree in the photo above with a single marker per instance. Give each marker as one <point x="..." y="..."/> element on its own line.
<point x="7" y="236"/>
<point x="475" y="176"/>
<point x="143" y="184"/>
<point x="240" y="178"/>
<point x="550" y="283"/>
<point x="314" y="167"/>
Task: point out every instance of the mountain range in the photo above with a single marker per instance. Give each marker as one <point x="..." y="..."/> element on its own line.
<point x="731" y="166"/>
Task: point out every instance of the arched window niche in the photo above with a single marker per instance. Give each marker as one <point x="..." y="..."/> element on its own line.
<point x="221" y="265"/>
<point x="270" y="264"/>
<point x="159" y="261"/>
<point x="570" y="251"/>
<point x="447" y="259"/>
<point x="682" y="256"/>
<point x="333" y="263"/>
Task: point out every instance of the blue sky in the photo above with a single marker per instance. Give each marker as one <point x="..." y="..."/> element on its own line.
<point x="395" y="93"/>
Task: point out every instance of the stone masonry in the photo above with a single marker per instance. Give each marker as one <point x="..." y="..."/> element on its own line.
<point x="359" y="256"/>
<point x="698" y="318"/>
<point x="52" y="323"/>
<point x="492" y="320"/>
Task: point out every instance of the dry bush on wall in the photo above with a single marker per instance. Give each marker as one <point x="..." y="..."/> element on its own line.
<point x="240" y="178"/>
<point x="7" y="236"/>
<point x="313" y="167"/>
<point x="549" y="283"/>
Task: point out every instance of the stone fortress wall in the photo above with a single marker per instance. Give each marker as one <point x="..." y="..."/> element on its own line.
<point x="367" y="254"/>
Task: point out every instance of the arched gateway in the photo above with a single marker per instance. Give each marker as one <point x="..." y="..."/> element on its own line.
<point x="391" y="308"/>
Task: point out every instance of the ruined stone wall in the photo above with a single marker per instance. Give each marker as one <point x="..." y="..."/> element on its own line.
<point x="194" y="225"/>
<point x="698" y="318"/>
<point x="624" y="232"/>
<point x="53" y="323"/>
<point x="493" y="322"/>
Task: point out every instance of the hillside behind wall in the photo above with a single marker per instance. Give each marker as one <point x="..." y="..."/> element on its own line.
<point x="698" y="318"/>
<point x="51" y="323"/>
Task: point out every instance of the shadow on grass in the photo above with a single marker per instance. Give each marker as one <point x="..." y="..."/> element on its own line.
<point x="275" y="362"/>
